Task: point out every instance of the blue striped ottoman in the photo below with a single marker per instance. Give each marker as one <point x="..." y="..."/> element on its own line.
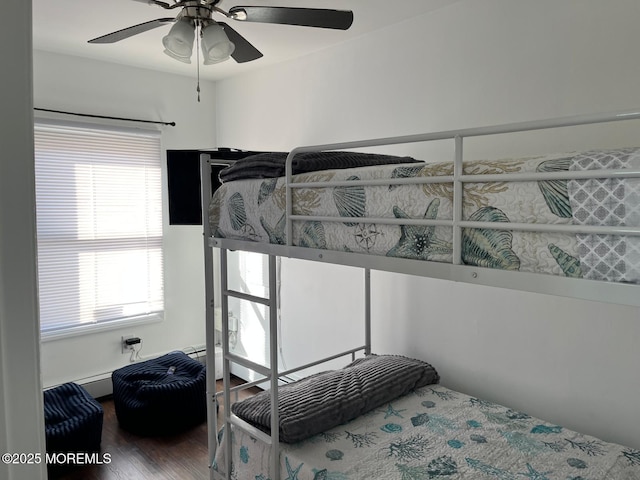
<point x="162" y="396"/>
<point x="73" y="420"/>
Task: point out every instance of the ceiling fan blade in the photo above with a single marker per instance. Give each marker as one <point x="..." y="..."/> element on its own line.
<point x="307" y="17"/>
<point x="244" y="51"/>
<point x="155" y="2"/>
<point x="131" y="31"/>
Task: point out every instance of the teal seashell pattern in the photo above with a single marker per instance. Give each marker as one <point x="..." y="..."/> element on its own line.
<point x="237" y="212"/>
<point x="391" y="428"/>
<point x="555" y="192"/>
<point x="313" y="235"/>
<point x="420" y="419"/>
<point x="267" y="187"/>
<point x="487" y="247"/>
<point x="405" y="172"/>
<point x="569" y="264"/>
<point x="350" y="201"/>
<point x="334" y="455"/>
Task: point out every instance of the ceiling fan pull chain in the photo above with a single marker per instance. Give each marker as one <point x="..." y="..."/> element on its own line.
<point x="197" y="62"/>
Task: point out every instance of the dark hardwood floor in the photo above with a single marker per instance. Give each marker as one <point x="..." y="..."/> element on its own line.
<point x="178" y="457"/>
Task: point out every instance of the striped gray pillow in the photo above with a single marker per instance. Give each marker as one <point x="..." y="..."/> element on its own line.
<point x="324" y="400"/>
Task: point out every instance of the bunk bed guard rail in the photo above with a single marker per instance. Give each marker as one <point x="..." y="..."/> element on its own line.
<point x="620" y="293"/>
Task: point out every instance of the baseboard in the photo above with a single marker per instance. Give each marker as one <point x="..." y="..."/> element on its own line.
<point x="98" y="387"/>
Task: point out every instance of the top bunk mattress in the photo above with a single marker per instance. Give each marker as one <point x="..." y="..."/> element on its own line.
<point x="254" y="209"/>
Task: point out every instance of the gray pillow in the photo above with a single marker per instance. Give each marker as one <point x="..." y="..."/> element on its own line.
<point x="325" y="400"/>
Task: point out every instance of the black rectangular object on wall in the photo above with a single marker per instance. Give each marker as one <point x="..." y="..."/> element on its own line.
<point x="183" y="177"/>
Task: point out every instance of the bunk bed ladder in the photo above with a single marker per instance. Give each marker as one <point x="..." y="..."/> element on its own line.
<point x="269" y="373"/>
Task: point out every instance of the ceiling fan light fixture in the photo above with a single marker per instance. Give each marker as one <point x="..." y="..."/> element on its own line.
<point x="177" y="57"/>
<point x="216" y="46"/>
<point x="178" y="43"/>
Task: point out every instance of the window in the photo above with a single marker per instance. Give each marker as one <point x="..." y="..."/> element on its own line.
<point x="99" y="224"/>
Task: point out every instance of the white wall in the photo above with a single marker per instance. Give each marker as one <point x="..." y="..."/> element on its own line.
<point x="86" y="86"/>
<point x="473" y="63"/>
<point x="21" y="410"/>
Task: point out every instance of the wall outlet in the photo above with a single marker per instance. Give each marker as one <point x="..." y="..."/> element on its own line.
<point x="126" y="348"/>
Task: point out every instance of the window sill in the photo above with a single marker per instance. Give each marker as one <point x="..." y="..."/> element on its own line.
<point x="100" y="327"/>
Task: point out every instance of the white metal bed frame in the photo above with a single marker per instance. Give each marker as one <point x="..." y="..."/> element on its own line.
<point x="456" y="271"/>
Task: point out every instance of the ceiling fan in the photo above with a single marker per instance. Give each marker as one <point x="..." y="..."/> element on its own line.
<point x="219" y="40"/>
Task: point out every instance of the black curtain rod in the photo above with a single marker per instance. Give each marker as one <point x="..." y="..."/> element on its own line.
<point x="172" y="124"/>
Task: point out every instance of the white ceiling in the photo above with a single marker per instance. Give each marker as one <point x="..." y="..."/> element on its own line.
<point x="65" y="26"/>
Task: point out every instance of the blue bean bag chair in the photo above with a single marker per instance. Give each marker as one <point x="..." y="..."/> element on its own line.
<point x="162" y="396"/>
<point x="73" y="420"/>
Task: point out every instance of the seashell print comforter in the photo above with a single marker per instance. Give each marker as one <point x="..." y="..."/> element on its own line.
<point x="437" y="433"/>
<point x="254" y="210"/>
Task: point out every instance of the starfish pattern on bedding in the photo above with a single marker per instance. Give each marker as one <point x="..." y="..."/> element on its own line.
<point x="419" y="242"/>
<point x="292" y="474"/>
<point x="392" y="412"/>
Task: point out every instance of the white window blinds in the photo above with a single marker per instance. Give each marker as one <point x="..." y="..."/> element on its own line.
<point x="99" y="224"/>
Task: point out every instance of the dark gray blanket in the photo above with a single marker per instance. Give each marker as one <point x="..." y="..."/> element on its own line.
<point x="325" y="400"/>
<point x="271" y="165"/>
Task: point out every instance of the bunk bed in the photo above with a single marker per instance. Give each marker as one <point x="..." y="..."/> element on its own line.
<point x="562" y="224"/>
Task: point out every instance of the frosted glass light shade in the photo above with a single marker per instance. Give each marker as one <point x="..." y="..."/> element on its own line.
<point x="178" y="43"/>
<point x="216" y="46"/>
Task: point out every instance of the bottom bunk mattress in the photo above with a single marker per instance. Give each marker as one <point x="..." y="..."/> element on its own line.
<point x="437" y="433"/>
